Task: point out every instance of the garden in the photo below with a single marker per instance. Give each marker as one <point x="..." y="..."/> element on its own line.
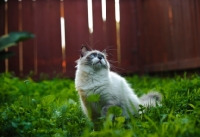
<point x="141" y="37"/>
<point x="47" y="108"/>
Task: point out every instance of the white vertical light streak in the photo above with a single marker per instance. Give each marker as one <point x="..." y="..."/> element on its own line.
<point x="62" y="22"/>
<point x="103" y="8"/>
<point x="117" y="19"/>
<point x="117" y="11"/>
<point x="90" y="16"/>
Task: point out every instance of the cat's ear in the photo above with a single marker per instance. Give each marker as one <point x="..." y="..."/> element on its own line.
<point x="84" y="50"/>
<point x="104" y="52"/>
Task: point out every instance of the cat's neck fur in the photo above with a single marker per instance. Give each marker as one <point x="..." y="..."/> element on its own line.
<point x="89" y="78"/>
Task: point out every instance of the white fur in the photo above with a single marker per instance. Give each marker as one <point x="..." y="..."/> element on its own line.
<point x="112" y="88"/>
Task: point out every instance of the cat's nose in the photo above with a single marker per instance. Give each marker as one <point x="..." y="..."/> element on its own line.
<point x="99" y="57"/>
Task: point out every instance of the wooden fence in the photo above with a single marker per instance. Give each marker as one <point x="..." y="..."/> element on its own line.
<point x="170" y="34"/>
<point x="152" y="35"/>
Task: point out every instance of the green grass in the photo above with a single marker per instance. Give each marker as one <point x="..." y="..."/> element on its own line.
<point x="51" y="108"/>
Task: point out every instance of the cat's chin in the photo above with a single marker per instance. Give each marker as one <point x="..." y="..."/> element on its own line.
<point x="98" y="67"/>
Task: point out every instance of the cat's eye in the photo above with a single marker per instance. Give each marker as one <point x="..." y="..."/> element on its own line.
<point x="93" y="55"/>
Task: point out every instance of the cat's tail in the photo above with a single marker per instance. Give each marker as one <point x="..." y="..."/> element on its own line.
<point x="151" y="99"/>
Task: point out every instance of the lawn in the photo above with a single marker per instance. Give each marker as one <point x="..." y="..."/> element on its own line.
<point x="51" y="108"/>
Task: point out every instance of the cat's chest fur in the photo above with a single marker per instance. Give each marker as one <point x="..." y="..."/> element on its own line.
<point x="97" y="83"/>
<point x="88" y="81"/>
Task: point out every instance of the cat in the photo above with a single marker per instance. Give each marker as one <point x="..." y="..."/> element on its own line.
<point x="94" y="77"/>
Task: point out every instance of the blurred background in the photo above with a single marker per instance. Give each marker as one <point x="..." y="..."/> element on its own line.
<point x="141" y="36"/>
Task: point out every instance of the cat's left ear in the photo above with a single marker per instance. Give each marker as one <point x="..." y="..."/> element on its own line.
<point x="104" y="52"/>
<point x="84" y="50"/>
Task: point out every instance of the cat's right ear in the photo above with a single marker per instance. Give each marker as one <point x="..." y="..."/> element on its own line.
<point x="84" y="50"/>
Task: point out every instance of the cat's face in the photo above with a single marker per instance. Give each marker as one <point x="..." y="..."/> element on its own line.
<point x="93" y="59"/>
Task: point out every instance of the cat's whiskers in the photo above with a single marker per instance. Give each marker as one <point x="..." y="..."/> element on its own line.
<point x="116" y="69"/>
<point x="107" y="48"/>
<point x="112" y="61"/>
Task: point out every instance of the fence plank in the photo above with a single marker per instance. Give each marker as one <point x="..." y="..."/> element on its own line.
<point x="48" y="39"/>
<point x="128" y="36"/>
<point x="154" y="24"/>
<point x="98" y="26"/>
<point x="56" y="49"/>
<point x="197" y="29"/>
<point x="76" y="30"/>
<point x="42" y="36"/>
<point x="187" y="30"/>
<point x="178" y="43"/>
<point x="165" y="27"/>
<point x="2" y="31"/>
<point x="13" y="25"/>
<point x="194" y="25"/>
<point x="2" y="18"/>
<point x="111" y="34"/>
<point x="28" y="20"/>
<point x="140" y="36"/>
<point x="169" y="38"/>
<point x="147" y="31"/>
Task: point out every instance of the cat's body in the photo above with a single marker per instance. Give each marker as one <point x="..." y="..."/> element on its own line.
<point x="93" y="76"/>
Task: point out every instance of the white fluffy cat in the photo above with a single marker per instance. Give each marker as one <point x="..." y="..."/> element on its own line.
<point x="93" y="76"/>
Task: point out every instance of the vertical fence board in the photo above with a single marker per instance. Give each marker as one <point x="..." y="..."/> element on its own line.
<point x="111" y="33"/>
<point x="142" y="25"/>
<point x="55" y="40"/>
<point x="147" y="31"/>
<point x="42" y="36"/>
<point x="194" y="25"/>
<point x="169" y="37"/>
<point x="197" y="18"/>
<point x="13" y="25"/>
<point x="48" y="39"/>
<point x="28" y="19"/>
<point x="140" y="36"/>
<point x="187" y="30"/>
<point x="76" y="30"/>
<point x="2" y="18"/>
<point x="164" y="33"/>
<point x="178" y="42"/>
<point x="128" y="36"/>
<point x="98" y="26"/>
<point x="155" y="27"/>
<point x="2" y="31"/>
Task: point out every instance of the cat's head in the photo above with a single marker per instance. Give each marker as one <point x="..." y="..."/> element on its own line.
<point x="93" y="59"/>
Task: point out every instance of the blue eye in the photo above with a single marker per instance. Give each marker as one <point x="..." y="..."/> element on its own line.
<point x="93" y="55"/>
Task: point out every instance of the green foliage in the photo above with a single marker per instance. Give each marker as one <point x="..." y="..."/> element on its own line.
<point x="51" y="108"/>
<point x="12" y="39"/>
<point x="93" y="98"/>
<point x="46" y="108"/>
<point x="117" y="111"/>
